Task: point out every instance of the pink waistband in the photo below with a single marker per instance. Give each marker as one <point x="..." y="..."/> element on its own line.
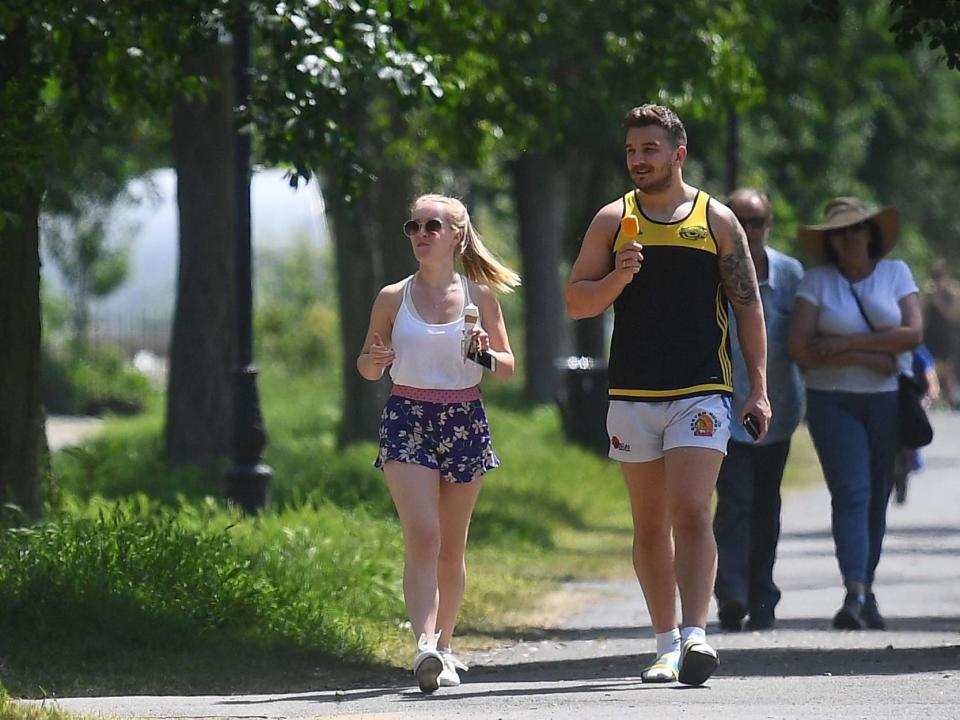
<point x="437" y="396"/>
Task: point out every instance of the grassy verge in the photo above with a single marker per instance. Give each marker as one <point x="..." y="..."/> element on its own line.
<point x="139" y="582"/>
<point x="13" y="710"/>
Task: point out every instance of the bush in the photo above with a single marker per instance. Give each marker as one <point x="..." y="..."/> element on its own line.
<point x="92" y="381"/>
<point x="136" y="575"/>
<point x="297" y="326"/>
<point x="117" y="466"/>
<point x="299" y="338"/>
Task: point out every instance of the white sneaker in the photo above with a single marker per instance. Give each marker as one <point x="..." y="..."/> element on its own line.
<point x="663" y="669"/>
<point x="697" y="662"/>
<point x="451" y="663"/>
<point x="428" y="664"/>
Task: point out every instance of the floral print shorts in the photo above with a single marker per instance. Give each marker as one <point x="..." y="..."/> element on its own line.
<point x="453" y="438"/>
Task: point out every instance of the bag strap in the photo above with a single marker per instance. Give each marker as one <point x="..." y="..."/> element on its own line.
<point x="860" y="306"/>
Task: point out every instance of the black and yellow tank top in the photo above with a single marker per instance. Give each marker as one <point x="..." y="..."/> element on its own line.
<point x="670" y="330"/>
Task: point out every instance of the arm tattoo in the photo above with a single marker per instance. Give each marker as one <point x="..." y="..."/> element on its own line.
<point x="738" y="275"/>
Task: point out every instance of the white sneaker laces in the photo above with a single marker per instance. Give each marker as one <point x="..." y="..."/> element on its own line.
<point x="425" y="643"/>
<point x="449" y="657"/>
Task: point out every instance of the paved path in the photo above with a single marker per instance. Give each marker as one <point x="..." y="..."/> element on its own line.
<point x="589" y="667"/>
<point x="65" y="430"/>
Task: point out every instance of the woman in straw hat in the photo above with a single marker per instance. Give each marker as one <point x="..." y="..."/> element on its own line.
<point x="857" y="318"/>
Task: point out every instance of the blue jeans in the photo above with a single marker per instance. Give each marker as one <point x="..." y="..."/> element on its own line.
<point x="855" y="436"/>
<point x="747" y="524"/>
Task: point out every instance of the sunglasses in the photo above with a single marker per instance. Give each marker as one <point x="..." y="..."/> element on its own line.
<point x="431" y="226"/>
<point x="754" y="222"/>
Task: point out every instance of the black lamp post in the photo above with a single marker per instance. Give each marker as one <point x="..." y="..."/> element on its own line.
<point x="248" y="479"/>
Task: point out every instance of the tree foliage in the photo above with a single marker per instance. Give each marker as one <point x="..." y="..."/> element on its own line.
<point x="320" y="68"/>
<point x="91" y="268"/>
<point x="845" y="111"/>
<point x="89" y="65"/>
<point x="937" y="21"/>
<point x="381" y="96"/>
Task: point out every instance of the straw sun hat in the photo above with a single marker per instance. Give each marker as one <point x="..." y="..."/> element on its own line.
<point x="843" y="212"/>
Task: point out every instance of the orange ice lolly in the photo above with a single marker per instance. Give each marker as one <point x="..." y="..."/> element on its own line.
<point x="629" y="226"/>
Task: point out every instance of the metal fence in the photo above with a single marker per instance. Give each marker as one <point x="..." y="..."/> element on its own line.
<point x="132" y="332"/>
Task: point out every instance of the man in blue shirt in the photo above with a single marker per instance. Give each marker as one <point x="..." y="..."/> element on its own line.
<point x="747" y="520"/>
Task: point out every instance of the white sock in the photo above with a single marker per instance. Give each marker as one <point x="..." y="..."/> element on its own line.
<point x="668" y="641"/>
<point x="692" y="631"/>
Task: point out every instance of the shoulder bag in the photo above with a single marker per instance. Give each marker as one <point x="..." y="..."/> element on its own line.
<point x="913" y="426"/>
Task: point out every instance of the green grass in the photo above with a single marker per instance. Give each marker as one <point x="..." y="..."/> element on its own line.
<point x="133" y="597"/>
<point x="139" y="581"/>
<point x="12" y="710"/>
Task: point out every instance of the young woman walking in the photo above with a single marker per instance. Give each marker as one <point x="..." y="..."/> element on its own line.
<point x="435" y="444"/>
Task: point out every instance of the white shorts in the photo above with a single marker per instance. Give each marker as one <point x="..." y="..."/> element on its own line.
<point x="643" y="431"/>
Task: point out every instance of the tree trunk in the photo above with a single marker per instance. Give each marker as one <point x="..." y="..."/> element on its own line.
<point x="22" y="437"/>
<point x="359" y="278"/>
<point x="21" y="417"/>
<point x="394" y="193"/>
<point x="597" y="177"/>
<point x="539" y="190"/>
<point x="371" y="252"/>
<point x="203" y="345"/>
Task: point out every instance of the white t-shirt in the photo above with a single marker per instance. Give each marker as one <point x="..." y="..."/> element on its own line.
<point x="880" y="294"/>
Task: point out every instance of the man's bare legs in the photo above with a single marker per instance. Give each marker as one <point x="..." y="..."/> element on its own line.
<point x="653" y="554"/>
<point x="673" y="547"/>
<point x="691" y="477"/>
<point x="673" y="544"/>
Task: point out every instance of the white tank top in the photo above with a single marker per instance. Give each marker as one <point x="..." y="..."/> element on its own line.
<point x="429" y="356"/>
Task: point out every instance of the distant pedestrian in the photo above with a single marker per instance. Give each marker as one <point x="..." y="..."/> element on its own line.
<point x="856" y="321"/>
<point x="746" y="523"/>
<point x="941" y="325"/>
<point x="435" y="444"/>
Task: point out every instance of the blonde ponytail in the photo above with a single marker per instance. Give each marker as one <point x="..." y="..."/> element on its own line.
<point x="479" y="264"/>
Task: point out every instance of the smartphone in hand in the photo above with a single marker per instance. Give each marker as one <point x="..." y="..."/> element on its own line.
<point x="483" y="358"/>
<point x="751" y="425"/>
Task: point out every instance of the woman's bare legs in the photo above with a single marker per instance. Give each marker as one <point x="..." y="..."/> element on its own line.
<point x="457" y="501"/>
<point x="435" y="517"/>
<point x="416" y="494"/>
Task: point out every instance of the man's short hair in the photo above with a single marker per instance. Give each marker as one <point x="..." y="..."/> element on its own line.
<point x="659" y="115"/>
<point x="745" y="194"/>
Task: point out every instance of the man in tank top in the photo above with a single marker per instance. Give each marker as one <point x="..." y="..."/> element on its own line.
<point x="668" y="258"/>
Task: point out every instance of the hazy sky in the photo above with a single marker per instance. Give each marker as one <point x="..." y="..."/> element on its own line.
<point x="148" y="224"/>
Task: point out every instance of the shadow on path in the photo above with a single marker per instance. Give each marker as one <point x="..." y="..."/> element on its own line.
<point x="761" y="662"/>
<point x="919" y="531"/>
<point x="643" y="632"/>
<point x="621" y="673"/>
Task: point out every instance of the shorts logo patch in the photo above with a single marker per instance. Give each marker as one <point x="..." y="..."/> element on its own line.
<point x="619" y="445"/>
<point x="704" y="424"/>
